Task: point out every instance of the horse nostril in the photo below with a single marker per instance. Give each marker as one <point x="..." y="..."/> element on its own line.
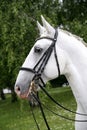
<point x="17" y="89"/>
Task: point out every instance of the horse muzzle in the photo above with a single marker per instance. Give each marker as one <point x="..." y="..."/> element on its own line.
<point x="28" y="94"/>
<point x="21" y="94"/>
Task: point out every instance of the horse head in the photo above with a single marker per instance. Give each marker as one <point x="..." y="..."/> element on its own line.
<point x="42" y="63"/>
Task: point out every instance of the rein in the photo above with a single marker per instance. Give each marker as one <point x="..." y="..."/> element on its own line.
<point x="38" y="70"/>
<point x="49" y="109"/>
<point x="41" y="105"/>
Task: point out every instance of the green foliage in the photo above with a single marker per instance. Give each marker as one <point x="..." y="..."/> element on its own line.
<point x="75" y="9"/>
<point x="59" y="81"/>
<point x="18" y="29"/>
<point x="79" y="29"/>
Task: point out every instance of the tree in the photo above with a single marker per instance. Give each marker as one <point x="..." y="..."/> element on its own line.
<point x="2" y="95"/>
<point x="18" y="29"/>
<point x="75" y="9"/>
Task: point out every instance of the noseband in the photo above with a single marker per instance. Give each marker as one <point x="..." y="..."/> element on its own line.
<point x="41" y="64"/>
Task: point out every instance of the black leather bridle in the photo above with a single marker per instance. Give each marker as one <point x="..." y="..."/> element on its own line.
<point x="41" y="64"/>
<point x="39" y="69"/>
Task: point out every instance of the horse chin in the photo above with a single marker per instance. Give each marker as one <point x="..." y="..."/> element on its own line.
<point x="33" y="102"/>
<point x="29" y="97"/>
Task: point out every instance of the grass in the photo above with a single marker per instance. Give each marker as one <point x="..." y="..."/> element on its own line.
<point x="17" y="116"/>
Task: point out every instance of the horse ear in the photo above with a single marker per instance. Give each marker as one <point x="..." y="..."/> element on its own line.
<point x="41" y="28"/>
<point x="46" y="25"/>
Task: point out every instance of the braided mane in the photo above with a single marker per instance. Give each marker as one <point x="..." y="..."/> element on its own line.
<point x="75" y="36"/>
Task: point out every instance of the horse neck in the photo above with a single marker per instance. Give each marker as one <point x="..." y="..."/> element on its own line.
<point x="71" y="44"/>
<point x="77" y="85"/>
<point x="76" y="51"/>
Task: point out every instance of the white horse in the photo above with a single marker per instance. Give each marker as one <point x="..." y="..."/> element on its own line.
<point x="72" y="58"/>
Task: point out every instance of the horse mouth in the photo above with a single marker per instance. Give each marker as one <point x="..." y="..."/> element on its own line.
<point x="21" y="95"/>
<point x="28" y="94"/>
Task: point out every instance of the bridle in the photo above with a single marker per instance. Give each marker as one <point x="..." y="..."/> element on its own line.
<point x="41" y="64"/>
<point x="38" y="71"/>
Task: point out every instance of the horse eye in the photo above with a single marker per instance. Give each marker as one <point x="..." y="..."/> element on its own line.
<point x="37" y="49"/>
